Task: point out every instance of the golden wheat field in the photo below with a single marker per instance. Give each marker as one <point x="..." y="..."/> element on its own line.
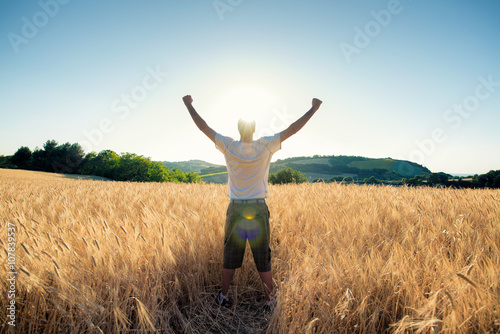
<point x="117" y="257"/>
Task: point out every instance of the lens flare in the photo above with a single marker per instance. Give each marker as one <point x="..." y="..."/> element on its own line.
<point x="249" y="227"/>
<point x="249" y="212"/>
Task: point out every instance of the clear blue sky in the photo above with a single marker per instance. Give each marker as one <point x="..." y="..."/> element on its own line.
<point x="415" y="80"/>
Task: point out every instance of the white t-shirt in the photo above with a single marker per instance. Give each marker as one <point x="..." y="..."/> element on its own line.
<point x="248" y="164"/>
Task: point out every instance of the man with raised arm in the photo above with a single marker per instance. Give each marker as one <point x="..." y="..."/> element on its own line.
<point x="247" y="219"/>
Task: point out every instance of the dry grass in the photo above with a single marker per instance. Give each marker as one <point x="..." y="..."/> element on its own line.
<point x="143" y="257"/>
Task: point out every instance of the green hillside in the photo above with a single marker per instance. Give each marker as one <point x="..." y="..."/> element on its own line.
<point x="354" y="166"/>
<point x="189" y="166"/>
<point x="373" y="163"/>
<point x="215" y="178"/>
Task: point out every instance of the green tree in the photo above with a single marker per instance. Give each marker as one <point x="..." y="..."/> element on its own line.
<point x="371" y="180"/>
<point x="104" y="164"/>
<point x="22" y="158"/>
<point x="38" y="158"/>
<point x="176" y="175"/>
<point x="496" y="181"/>
<point x="5" y="162"/>
<point x="437" y="179"/>
<point x="51" y="154"/>
<point x="87" y="164"/>
<point x="347" y="179"/>
<point x="74" y="157"/>
<point x="43" y="158"/>
<point x="336" y="179"/>
<point x="66" y="158"/>
<point x="414" y="181"/>
<point x="158" y="172"/>
<point x="287" y="175"/>
<point x="132" y="167"/>
<point x="193" y="177"/>
<point x="490" y="179"/>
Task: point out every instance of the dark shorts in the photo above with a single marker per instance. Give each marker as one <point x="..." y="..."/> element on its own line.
<point x="247" y="221"/>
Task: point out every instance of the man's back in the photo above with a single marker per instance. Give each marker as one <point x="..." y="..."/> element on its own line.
<point x="247" y="215"/>
<point x="248" y="164"/>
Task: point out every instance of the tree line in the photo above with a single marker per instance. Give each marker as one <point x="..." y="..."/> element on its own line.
<point x="71" y="159"/>
<point x="488" y="180"/>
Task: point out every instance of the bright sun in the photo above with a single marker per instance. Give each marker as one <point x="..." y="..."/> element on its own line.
<point x="249" y="101"/>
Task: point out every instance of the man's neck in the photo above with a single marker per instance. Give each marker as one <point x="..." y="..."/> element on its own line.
<point x="246" y="139"/>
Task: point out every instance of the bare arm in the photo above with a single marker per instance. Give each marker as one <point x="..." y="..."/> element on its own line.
<point x="298" y="124"/>
<point x="200" y="123"/>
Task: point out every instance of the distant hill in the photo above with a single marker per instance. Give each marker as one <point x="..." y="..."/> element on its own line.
<point x="327" y="167"/>
<point x="354" y="166"/>
<point x="319" y="167"/>
<point x="189" y="166"/>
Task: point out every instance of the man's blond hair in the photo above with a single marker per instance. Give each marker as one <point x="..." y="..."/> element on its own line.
<point x="246" y="128"/>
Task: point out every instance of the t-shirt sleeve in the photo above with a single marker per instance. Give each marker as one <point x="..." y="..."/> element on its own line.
<point x="273" y="143"/>
<point x="222" y="142"/>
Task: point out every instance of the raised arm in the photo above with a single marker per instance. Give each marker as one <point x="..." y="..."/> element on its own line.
<point x="200" y="123"/>
<point x="298" y="124"/>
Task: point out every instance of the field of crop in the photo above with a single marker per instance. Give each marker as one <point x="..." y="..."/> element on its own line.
<point x="108" y="257"/>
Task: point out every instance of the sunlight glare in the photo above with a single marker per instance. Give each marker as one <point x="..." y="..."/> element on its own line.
<point x="247" y="101"/>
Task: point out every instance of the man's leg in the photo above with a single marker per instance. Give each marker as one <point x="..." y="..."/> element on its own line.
<point x="261" y="250"/>
<point x="267" y="280"/>
<point x="233" y="251"/>
<point x="227" y="277"/>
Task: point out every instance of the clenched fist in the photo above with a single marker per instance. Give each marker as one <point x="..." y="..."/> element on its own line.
<point x="187" y="99"/>
<point x="316" y="102"/>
